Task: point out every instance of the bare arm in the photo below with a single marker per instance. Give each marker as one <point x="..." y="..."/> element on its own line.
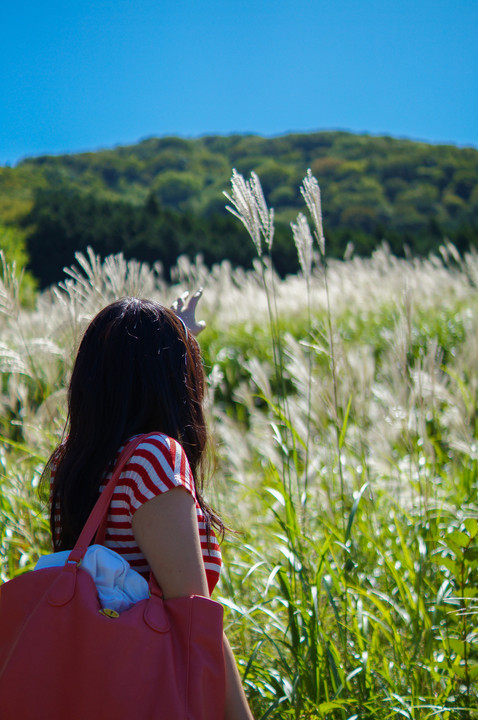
<point x="237" y="707"/>
<point x="166" y="531"/>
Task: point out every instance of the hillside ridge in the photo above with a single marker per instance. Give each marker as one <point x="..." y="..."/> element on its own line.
<point x="412" y="193"/>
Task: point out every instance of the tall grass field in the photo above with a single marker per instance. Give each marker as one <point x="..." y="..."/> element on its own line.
<point x="343" y="403"/>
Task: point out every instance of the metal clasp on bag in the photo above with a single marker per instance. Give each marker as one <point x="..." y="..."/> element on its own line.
<point x="107" y="612"/>
<point x="73" y="562"/>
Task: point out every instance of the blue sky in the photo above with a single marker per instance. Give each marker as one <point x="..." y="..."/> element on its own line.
<point x="85" y="74"/>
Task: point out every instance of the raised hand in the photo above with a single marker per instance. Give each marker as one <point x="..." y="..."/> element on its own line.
<point x="186" y="309"/>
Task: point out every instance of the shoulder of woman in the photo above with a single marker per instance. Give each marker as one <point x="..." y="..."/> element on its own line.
<point x="158" y="443"/>
<point x="164" y="456"/>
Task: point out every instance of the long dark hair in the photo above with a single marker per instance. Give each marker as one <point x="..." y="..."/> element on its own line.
<point x="137" y="370"/>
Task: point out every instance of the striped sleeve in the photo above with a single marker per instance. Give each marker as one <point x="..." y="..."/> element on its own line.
<point x="157" y="465"/>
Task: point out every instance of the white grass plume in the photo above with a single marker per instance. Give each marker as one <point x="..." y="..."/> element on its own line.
<point x="249" y="206"/>
<point x="310" y="191"/>
<point x="303" y="242"/>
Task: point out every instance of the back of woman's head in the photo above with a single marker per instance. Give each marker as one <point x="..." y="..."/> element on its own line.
<point x="137" y="370"/>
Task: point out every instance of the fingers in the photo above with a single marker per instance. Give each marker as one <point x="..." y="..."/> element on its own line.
<point x="194" y="299"/>
<point x="186" y="308"/>
<point x="179" y="304"/>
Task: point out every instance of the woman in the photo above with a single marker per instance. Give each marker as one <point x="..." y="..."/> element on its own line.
<point x="139" y="370"/>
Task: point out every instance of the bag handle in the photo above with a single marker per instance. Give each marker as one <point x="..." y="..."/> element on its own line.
<point x="100" y="509"/>
<point x="63" y="590"/>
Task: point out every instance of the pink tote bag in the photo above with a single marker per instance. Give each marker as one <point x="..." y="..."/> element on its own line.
<point x="63" y="657"/>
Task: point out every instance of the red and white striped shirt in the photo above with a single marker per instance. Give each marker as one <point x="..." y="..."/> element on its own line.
<point x="157" y="465"/>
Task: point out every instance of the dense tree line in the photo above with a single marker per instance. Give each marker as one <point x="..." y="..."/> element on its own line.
<point x="62" y="222"/>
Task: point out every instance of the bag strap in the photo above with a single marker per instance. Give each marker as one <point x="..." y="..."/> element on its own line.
<point x="100" y="509"/>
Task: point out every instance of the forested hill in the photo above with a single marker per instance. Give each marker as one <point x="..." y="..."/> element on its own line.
<point x="163" y="196"/>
